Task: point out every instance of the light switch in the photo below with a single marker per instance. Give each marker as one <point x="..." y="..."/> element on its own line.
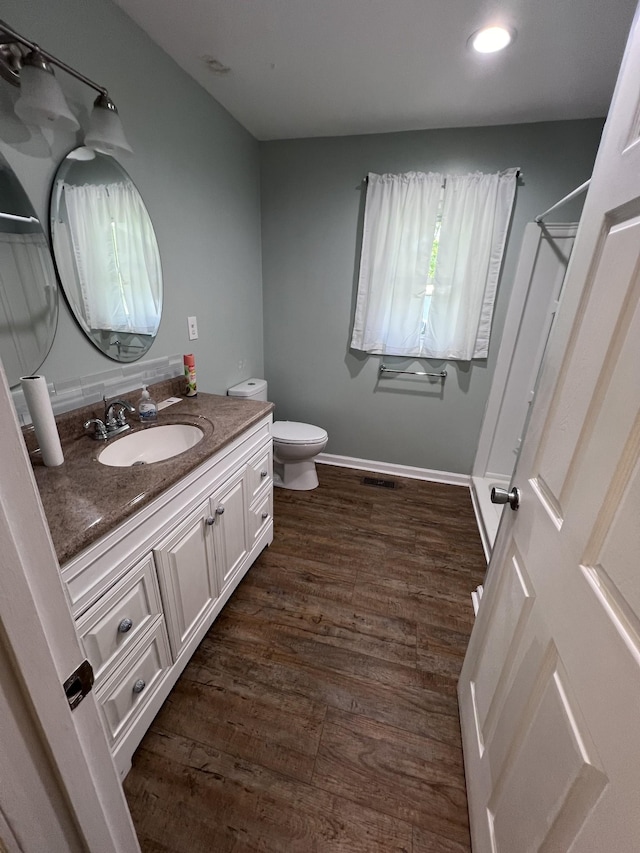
<point x="193" y="328"/>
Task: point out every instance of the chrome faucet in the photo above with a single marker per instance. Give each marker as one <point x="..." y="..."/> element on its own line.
<point x="99" y="431"/>
<point x="115" y="420"/>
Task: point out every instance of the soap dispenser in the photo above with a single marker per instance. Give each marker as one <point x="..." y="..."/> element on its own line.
<point x="147" y="408"/>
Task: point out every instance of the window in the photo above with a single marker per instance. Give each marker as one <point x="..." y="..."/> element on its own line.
<point x="431" y="255"/>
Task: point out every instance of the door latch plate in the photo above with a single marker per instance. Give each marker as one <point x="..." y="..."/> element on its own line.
<point x="79" y="684"/>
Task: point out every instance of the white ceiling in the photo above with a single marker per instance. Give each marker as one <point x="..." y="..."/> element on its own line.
<point x="303" y="68"/>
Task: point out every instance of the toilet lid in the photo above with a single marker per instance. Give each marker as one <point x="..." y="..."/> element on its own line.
<point x="292" y="432"/>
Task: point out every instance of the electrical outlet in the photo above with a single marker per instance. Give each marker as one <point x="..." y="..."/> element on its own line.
<point x="193" y="328"/>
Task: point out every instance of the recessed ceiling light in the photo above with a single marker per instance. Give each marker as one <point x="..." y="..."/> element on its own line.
<point x="491" y="39"/>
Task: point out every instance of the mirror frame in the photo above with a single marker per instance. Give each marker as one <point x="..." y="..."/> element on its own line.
<point x="119" y="345"/>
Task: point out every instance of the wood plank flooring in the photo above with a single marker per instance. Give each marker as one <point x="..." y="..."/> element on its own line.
<point x="319" y="713"/>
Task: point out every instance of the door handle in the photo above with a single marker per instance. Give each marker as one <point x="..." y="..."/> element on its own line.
<point x="502" y="496"/>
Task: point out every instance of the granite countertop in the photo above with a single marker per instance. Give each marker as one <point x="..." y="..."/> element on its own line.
<point x="84" y="499"/>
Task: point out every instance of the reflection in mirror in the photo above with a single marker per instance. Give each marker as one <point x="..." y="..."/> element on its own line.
<point x="106" y="254"/>
<point x="28" y="289"/>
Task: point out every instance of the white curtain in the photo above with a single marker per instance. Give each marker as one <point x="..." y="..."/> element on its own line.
<point x="400" y="219"/>
<point x="116" y="258"/>
<point x="446" y="315"/>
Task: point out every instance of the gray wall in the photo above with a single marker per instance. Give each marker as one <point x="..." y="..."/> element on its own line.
<point x="199" y="173"/>
<point x="196" y="168"/>
<point x="312" y="209"/>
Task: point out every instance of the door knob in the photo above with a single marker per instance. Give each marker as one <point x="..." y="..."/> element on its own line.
<point x="219" y="510"/>
<point x="502" y="496"/>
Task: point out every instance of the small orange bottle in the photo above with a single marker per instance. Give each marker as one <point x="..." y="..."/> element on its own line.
<point x="190" y="375"/>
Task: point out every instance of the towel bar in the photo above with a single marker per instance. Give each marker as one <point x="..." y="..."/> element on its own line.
<point x="442" y="375"/>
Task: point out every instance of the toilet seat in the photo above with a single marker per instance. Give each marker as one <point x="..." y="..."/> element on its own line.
<point x="292" y="432"/>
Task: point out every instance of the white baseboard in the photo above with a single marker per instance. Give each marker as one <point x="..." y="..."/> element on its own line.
<point x="487" y="543"/>
<point x="410" y="471"/>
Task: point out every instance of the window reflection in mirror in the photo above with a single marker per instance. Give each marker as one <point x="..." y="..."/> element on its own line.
<point x="28" y="288"/>
<point x="106" y="254"/>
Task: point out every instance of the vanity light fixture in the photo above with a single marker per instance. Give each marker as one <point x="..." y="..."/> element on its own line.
<point x="492" y="39"/>
<point x="105" y="132"/>
<point x="41" y="101"/>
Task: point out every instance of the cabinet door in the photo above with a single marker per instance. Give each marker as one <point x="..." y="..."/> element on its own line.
<point x="229" y="509"/>
<point x="187" y="578"/>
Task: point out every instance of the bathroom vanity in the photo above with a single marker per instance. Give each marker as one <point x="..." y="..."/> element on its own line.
<point x="149" y="555"/>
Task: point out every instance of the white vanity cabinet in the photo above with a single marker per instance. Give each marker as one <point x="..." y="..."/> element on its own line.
<point x="145" y="594"/>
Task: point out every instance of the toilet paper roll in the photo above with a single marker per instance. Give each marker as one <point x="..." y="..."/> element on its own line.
<point x="36" y="394"/>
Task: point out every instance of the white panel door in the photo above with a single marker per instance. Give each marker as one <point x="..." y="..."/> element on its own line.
<point x="550" y="688"/>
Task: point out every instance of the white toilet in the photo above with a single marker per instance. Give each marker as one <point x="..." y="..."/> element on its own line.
<point x="295" y="445"/>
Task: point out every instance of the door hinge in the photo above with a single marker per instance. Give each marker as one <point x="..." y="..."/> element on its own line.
<point x="78" y="684"/>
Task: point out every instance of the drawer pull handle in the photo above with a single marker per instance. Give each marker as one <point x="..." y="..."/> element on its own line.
<point x="210" y="520"/>
<point x="219" y="510"/>
<point x="125" y="625"/>
<point x="263" y="474"/>
<point x="139" y="686"/>
<point x="265" y="516"/>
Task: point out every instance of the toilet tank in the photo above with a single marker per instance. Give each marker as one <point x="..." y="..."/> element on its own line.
<point x="250" y="389"/>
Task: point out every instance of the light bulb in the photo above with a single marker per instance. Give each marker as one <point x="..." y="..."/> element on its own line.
<point x="492" y="39"/>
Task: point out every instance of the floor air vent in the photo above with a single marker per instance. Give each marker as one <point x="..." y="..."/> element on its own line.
<point x="378" y="481"/>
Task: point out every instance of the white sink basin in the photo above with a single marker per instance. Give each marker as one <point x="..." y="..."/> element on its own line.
<point x="151" y="445"/>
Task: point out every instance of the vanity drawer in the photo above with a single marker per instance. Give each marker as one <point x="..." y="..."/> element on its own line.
<point x="259" y="471"/>
<point x="125" y="694"/>
<point x="259" y="516"/>
<point x="112" y="626"/>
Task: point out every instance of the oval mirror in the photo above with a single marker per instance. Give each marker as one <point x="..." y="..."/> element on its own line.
<point x="106" y="254"/>
<point x="28" y="287"/>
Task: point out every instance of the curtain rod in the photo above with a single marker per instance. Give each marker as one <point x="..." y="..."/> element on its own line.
<point x="564" y="200"/>
<point x="519" y="174"/>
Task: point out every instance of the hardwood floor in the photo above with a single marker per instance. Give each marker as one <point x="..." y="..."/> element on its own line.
<point x="319" y="713"/>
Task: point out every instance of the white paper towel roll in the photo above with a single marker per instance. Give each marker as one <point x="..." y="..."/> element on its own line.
<point x="36" y="394"/>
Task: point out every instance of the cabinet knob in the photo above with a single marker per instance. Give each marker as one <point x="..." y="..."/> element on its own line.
<point x="125" y="625"/>
<point x="263" y="474"/>
<point x="219" y="510"/>
<point x="139" y="686"/>
<point x="265" y="515"/>
<point x="210" y="520"/>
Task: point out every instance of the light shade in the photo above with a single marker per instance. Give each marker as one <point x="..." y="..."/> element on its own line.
<point x="491" y="39"/>
<point x="41" y="101"/>
<point x="105" y="129"/>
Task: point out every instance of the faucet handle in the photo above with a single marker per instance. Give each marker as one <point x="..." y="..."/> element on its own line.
<point x="114" y="413"/>
<point x="100" y="430"/>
